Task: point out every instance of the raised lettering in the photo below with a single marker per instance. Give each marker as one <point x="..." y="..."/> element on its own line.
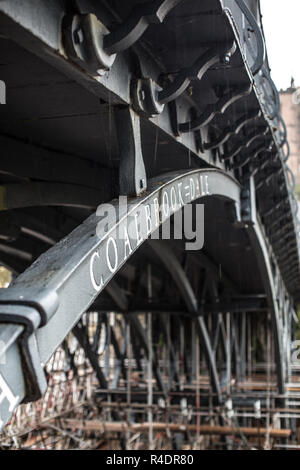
<point x="112" y="267"/>
<point x="96" y="286"/>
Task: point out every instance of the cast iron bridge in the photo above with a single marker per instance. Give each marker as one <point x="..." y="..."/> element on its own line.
<point x="170" y="103"/>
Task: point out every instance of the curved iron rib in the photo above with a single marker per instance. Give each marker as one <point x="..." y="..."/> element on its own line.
<point x="261" y="48"/>
<point x="136" y="24"/>
<point x="76" y="265"/>
<point x="259" y="245"/>
<point x="232" y="130"/>
<point x="243" y="160"/>
<point x="197" y="70"/>
<point x="256" y="134"/>
<point x="276" y="106"/>
<point x="213" y="109"/>
<point x="176" y="271"/>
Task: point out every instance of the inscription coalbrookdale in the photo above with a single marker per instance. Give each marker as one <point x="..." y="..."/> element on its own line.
<point x="133" y="224"/>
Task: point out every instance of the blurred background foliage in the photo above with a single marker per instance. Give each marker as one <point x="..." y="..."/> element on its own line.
<point x="5" y="277"/>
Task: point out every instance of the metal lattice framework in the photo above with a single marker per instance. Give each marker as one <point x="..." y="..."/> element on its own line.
<point x="112" y="334"/>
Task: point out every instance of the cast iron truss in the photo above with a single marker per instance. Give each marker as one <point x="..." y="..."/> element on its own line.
<point x="111" y="333"/>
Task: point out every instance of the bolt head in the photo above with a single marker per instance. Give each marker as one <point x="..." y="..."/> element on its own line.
<point x="78" y="36"/>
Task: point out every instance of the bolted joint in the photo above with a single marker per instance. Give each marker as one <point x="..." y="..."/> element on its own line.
<point x="245" y="204"/>
<point x="226" y="58"/>
<point x="83" y="38"/>
<point x="248" y="206"/>
<point x="144" y="93"/>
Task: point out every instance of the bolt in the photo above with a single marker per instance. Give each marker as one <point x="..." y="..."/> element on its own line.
<point x="226" y="59"/>
<point x="78" y="36"/>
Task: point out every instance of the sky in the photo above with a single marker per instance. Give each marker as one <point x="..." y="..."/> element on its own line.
<point x="281" y="22"/>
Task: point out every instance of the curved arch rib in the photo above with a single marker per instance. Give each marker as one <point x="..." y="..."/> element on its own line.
<point x="181" y="280"/>
<point x="80" y="266"/>
<point x="261" y="250"/>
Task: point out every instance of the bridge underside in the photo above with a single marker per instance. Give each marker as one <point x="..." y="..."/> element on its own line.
<point x="142" y="340"/>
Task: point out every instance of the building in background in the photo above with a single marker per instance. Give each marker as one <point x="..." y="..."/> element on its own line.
<point x="290" y="110"/>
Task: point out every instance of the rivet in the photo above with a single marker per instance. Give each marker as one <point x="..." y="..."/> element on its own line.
<point x="78" y="36"/>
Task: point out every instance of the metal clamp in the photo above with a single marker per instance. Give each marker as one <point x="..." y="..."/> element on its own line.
<point x="31" y="308"/>
<point x="261" y="48"/>
<point x="244" y="144"/>
<point x="149" y="98"/>
<point x="248" y="205"/>
<point x="83" y="37"/>
<point x="145" y="97"/>
<point x="212" y="109"/>
<point x="89" y="43"/>
<point x="233" y="130"/>
<point x="140" y="18"/>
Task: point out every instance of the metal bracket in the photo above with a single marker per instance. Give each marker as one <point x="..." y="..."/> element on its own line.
<point x="213" y="109"/>
<point x="232" y="130"/>
<point x="140" y="17"/>
<point x="144" y="93"/>
<point x="149" y="98"/>
<point x="261" y="48"/>
<point x="248" y="204"/>
<point x="248" y="140"/>
<point x="271" y="100"/>
<point x="260" y="163"/>
<point x="89" y="43"/>
<point x="30" y="308"/>
<point x="253" y="157"/>
<point x="242" y="160"/>
<point x="44" y="301"/>
<point x="219" y="53"/>
<point x="269" y="173"/>
<point x="83" y="38"/>
<point x="132" y="173"/>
